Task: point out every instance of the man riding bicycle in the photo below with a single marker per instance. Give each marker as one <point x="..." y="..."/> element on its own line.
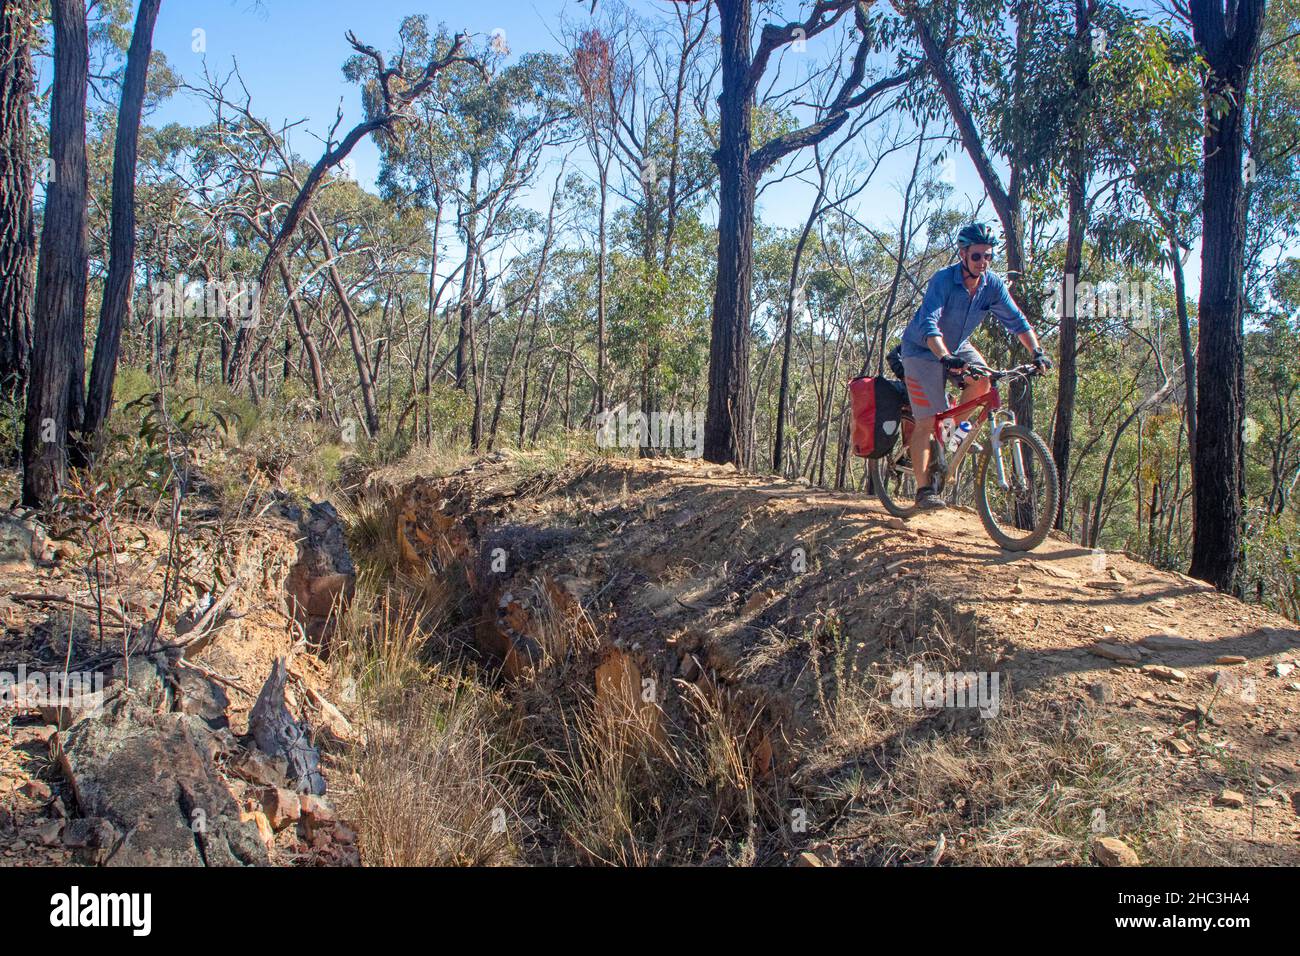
<point x="956" y="301"/>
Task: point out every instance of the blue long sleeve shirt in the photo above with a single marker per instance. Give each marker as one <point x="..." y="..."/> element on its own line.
<point x="950" y="311"/>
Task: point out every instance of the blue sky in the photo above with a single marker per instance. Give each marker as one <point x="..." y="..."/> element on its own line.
<point x="290" y="53"/>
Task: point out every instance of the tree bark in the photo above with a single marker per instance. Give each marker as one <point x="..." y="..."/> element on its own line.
<point x="116" y="307"/>
<point x="55" y="396"/>
<point x="1229" y="47"/>
<point x="17" y="224"/>
<point x="729" y="417"/>
<point x="1077" y="222"/>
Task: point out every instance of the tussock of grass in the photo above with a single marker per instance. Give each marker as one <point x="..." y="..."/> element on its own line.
<point x="435" y="782"/>
<point x="1037" y="783"/>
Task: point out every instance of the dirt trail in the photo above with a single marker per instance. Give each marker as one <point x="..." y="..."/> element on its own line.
<point x="693" y="574"/>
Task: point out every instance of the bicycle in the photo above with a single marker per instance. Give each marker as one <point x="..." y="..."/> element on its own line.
<point x="1017" y="487"/>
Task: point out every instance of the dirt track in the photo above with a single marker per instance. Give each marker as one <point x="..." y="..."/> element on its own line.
<point x="697" y="574"/>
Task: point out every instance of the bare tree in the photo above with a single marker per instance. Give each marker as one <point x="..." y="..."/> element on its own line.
<point x="116" y="307"/>
<point x="55" y="399"/>
<point x="17" y="229"/>
<point x="396" y="87"/>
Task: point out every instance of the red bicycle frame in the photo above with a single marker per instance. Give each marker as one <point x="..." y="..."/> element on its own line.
<point x="988" y="403"/>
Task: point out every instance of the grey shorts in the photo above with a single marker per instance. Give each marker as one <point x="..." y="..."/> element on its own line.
<point x="926" y="378"/>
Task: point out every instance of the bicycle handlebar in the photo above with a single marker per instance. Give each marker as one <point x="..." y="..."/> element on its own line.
<point x="997" y="375"/>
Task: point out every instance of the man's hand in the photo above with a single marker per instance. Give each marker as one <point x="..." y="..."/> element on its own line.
<point x="1042" y="361"/>
<point x="952" y="363"/>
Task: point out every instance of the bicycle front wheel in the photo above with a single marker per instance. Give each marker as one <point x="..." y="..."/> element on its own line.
<point x="1019" y="516"/>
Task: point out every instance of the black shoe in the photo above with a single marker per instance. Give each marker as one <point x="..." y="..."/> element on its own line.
<point x="927" y="500"/>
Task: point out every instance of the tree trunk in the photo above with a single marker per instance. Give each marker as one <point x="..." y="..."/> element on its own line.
<point x="55" y="396"/>
<point x="1188" y="350"/>
<point x="1219" y="466"/>
<point x="364" y="378"/>
<point x="116" y="307"/>
<point x="729" y="421"/>
<point x="467" y="287"/>
<point x="17" y="224"/>
<point x="1076" y="226"/>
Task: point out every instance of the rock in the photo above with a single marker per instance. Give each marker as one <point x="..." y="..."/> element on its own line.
<point x="257" y="768"/>
<point x="265" y="832"/>
<point x="201" y="697"/>
<point x="36" y="790"/>
<point x="808" y="859"/>
<point x="34" y="735"/>
<point x="1168" y="642"/>
<point x="689" y="668"/>
<point x="22" y="541"/>
<point x="1179" y="746"/>
<point x="47" y="834"/>
<point x="281" y="807"/>
<point x="279" y="735"/>
<point x="1110" y="851"/>
<point x="1161" y="672"/>
<point x="1295" y="802"/>
<point x="315" y="813"/>
<point x="91" y="833"/>
<point x="327" y="592"/>
<point x="1101" y="692"/>
<point x="151" y="776"/>
<point x="1230" y="659"/>
<point x="324" y="576"/>
<point x="1230" y="798"/>
<point x="1106" y="585"/>
<point x="1124" y="653"/>
<point x="1283" y="668"/>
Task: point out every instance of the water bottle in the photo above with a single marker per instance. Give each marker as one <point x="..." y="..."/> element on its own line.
<point x="958" y="436"/>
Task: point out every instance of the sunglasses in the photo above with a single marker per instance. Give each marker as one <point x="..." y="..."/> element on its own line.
<point x="980" y="256"/>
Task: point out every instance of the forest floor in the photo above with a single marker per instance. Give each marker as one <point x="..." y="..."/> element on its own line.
<point x="655" y="661"/>
<point x="1134" y="704"/>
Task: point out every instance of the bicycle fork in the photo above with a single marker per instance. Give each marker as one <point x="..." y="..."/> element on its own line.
<point x="998" y="423"/>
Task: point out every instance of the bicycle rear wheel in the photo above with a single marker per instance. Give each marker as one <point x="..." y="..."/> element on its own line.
<point x="892" y="481"/>
<point x="1034" y="488"/>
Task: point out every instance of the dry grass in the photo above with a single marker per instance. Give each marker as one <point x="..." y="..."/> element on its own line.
<point x="436" y="783"/>
<point x="435" y="778"/>
<point x="1037" y="783"/>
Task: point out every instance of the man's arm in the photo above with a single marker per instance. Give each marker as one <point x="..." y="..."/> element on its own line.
<point x="927" y="316"/>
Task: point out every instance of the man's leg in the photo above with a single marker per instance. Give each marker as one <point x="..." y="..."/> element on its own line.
<point x="975" y="387"/>
<point x="921" y="450"/>
<point x="926" y="395"/>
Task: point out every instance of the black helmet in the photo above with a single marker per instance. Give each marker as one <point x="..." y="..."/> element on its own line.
<point x="976" y="234"/>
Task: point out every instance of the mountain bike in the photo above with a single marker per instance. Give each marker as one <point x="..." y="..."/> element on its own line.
<point x="1016" y="484"/>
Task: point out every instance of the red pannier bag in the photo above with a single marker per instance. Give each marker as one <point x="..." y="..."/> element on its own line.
<point x="877" y="404"/>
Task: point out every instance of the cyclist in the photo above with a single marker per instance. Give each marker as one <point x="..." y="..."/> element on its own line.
<point x="956" y="301"/>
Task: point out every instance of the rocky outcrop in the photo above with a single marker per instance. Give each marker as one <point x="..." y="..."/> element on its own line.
<point x="324" y="577"/>
<point x="153" y="778"/>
